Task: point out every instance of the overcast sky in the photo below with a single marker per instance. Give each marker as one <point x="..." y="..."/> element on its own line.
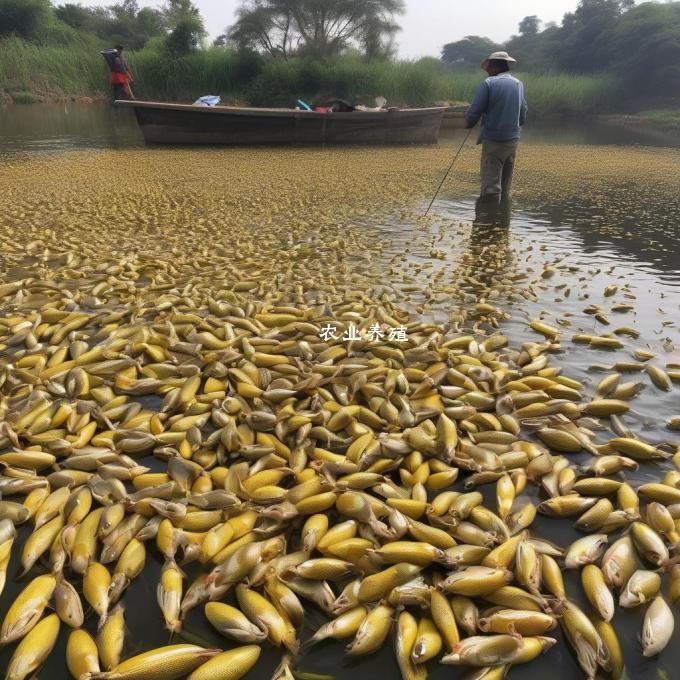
<point x="427" y="24"/>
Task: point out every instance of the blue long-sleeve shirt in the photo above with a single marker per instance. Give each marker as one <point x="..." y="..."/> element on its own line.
<point x="500" y="101"/>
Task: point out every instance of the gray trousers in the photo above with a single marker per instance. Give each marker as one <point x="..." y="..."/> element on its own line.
<point x="498" y="164"/>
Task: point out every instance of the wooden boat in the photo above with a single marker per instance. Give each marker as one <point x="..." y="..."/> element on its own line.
<point x="188" y="124"/>
<point x="454" y="117"/>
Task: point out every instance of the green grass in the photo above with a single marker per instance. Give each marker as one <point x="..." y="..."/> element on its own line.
<point x="78" y="69"/>
<point x="416" y="83"/>
<point x="563" y="93"/>
<point x="210" y="71"/>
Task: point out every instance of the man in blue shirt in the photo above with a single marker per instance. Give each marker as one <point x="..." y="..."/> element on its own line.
<point x="500" y="103"/>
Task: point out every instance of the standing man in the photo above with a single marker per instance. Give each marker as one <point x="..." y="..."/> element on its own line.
<point x="120" y="75"/>
<point x="500" y="103"/>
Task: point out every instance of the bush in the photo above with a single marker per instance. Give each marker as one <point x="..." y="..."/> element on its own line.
<point x="23" y="17"/>
<point x="25" y="97"/>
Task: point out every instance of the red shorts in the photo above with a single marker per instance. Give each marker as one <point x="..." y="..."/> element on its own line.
<point x="116" y="78"/>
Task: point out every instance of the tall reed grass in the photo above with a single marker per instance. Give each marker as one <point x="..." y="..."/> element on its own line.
<point x="247" y="78"/>
<point x="417" y="83"/>
<point x="209" y="71"/>
<point x="76" y="69"/>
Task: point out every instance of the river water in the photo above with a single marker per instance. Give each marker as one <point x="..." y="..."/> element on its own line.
<point x="593" y="207"/>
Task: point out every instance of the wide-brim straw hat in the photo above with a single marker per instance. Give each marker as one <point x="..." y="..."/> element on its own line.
<point x="500" y="56"/>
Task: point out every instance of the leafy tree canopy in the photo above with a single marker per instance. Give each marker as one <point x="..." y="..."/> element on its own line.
<point x="639" y="44"/>
<point x="23" y="17"/>
<point x="469" y="51"/>
<point x="320" y="28"/>
<point x="122" y="22"/>
<point x="178" y="21"/>
<point x="644" y="47"/>
<point x="529" y="25"/>
<point x="185" y="24"/>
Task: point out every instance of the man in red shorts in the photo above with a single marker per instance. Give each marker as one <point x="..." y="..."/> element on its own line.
<point x="120" y="75"/>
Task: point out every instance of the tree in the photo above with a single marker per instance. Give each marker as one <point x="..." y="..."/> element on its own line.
<point x="378" y="45"/>
<point x="527" y="47"/>
<point x="643" y="48"/>
<point x="266" y="29"/>
<point x="76" y="16"/>
<point x="638" y="45"/>
<point x="183" y="20"/>
<point x="583" y="33"/>
<point x="23" y="17"/>
<point x="185" y="37"/>
<point x="530" y="25"/>
<point x="124" y="22"/>
<point x="149" y="23"/>
<point x="469" y="51"/>
<point x="321" y="28"/>
<point x="123" y="18"/>
<point x="176" y="11"/>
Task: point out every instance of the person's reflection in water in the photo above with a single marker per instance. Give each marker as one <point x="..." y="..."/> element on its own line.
<point x="488" y="261"/>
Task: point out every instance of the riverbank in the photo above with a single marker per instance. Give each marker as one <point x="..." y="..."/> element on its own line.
<point x="663" y="119"/>
<point x="31" y="73"/>
<point x="657" y="125"/>
<point x="23" y="97"/>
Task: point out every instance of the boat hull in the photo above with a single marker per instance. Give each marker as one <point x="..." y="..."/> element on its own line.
<point x="188" y="124"/>
<point x="454" y="117"/>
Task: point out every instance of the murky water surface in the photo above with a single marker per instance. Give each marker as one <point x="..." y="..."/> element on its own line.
<point x="589" y="211"/>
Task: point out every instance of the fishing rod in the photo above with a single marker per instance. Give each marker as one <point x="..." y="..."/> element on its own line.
<point x="453" y="162"/>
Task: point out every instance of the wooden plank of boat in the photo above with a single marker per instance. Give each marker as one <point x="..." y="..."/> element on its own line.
<point x="164" y="123"/>
<point x="454" y="117"/>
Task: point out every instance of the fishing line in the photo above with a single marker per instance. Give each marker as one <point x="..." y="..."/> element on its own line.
<point x="453" y="162"/>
